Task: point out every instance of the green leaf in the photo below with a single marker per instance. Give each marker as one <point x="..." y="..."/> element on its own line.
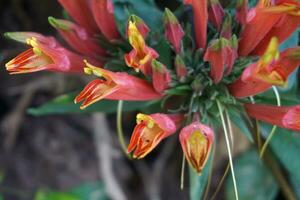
<point x="236" y="117"/>
<point x="164" y="51"/>
<point x="65" y="105"/>
<point x="198" y="183"/>
<point x="254" y="181"/>
<point x="90" y="191"/>
<point x="286" y="146"/>
<point x="49" y="195"/>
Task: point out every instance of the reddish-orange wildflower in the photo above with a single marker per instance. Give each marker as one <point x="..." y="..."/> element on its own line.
<point x="242" y="11"/>
<point x="173" y="30"/>
<point x="221" y="54"/>
<point x="116" y="86"/>
<point x="215" y="13"/>
<point x="81" y="13"/>
<point x="77" y="37"/>
<point x="272" y="69"/>
<point x="284" y="116"/>
<point x="269" y="19"/>
<point x="45" y="54"/>
<point x="200" y="20"/>
<point x="141" y="56"/>
<point x="196" y="141"/>
<point x="161" y="76"/>
<point x="149" y="132"/>
<point x="103" y="12"/>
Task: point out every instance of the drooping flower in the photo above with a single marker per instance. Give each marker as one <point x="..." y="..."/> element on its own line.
<point x="221" y="55"/>
<point x="81" y="12"/>
<point x="149" y="132"/>
<point x="284" y="116"/>
<point x="272" y="69"/>
<point x="45" y="54"/>
<point x="141" y="56"/>
<point x="173" y="30"/>
<point x="77" y="37"/>
<point x="196" y="141"/>
<point x="200" y="11"/>
<point x="180" y="68"/>
<point x="215" y="13"/>
<point x="116" y="86"/>
<point x="103" y="12"/>
<point x="161" y="76"/>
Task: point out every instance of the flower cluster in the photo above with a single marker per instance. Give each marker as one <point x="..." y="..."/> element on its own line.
<point x="219" y="60"/>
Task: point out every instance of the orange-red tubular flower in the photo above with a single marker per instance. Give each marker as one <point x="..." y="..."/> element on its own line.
<point x="196" y="141"/>
<point x="141" y="56"/>
<point x="173" y="30"/>
<point x="81" y="12"/>
<point x="215" y="13"/>
<point x="272" y="69"/>
<point x="200" y="20"/>
<point x="77" y="37"/>
<point x="288" y="23"/>
<point x="161" y="77"/>
<point x="149" y="132"/>
<point x="45" y="54"/>
<point x="115" y="86"/>
<point x="103" y="12"/>
<point x="242" y="11"/>
<point x="221" y="54"/>
<point x="286" y="117"/>
<point x="258" y="25"/>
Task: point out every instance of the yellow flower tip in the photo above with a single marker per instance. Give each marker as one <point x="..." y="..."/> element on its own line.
<point x="135" y="37"/>
<point x="91" y="69"/>
<point x="272" y="51"/>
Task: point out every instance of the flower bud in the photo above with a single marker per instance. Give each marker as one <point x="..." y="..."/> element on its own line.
<point x="196" y="141"/>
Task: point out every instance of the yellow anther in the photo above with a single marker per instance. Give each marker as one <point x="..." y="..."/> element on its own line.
<point x="90" y="69"/>
<point x="272" y="52"/>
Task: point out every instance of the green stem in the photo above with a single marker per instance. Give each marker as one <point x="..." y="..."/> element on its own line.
<point x="182" y="173"/>
<point x="221" y="182"/>
<point x="263" y="149"/>
<point x="120" y="129"/>
<point x="228" y="149"/>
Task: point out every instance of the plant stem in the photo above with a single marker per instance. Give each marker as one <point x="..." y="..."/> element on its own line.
<point x="182" y="173"/>
<point x="271" y="162"/>
<point x="228" y="149"/>
<point x="120" y="129"/>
